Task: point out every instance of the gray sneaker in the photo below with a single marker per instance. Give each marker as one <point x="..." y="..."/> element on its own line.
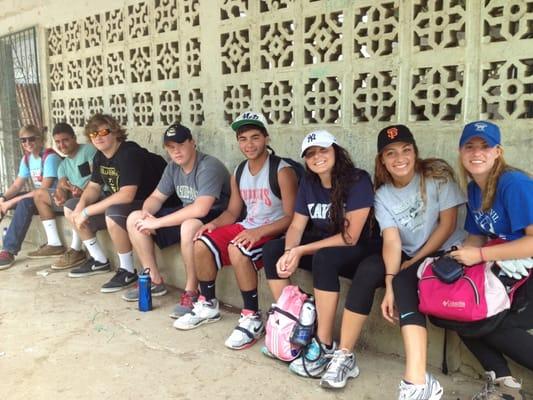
<point x="156" y="289"/>
<point x="506" y="387"/>
<point x="90" y="267"/>
<point x="187" y="300"/>
<point x="341" y="367"/>
<point x="313" y="363"/>
<point x="431" y="390"/>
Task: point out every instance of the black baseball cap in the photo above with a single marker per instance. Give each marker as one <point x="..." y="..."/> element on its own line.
<point x="394" y="134"/>
<point x="177" y="133"/>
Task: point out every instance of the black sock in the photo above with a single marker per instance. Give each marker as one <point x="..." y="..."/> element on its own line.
<point x="207" y="289"/>
<point x="250" y="300"/>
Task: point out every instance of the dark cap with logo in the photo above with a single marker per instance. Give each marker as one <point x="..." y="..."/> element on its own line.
<point x="177" y="133"/>
<point x="394" y="134"/>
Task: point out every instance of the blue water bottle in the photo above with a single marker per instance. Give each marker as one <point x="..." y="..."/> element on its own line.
<point x="145" y="292"/>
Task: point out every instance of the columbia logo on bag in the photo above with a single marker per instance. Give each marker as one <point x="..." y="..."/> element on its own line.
<point x="454" y="304"/>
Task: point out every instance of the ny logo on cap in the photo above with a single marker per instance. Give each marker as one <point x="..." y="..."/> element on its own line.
<point x="171" y="131"/>
<point x="311" y="137"/>
<point x="392" y="133"/>
<point x="250" y="116"/>
<point x="480" y="126"/>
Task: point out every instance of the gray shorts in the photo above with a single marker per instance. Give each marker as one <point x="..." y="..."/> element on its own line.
<point x="55" y="208"/>
<point x="118" y="213"/>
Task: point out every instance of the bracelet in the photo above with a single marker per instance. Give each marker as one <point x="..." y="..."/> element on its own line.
<point x="481" y="254"/>
<point x="85" y="213"/>
<point x="287" y="250"/>
<point x="390" y="274"/>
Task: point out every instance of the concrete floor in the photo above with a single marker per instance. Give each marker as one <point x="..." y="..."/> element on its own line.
<point x="60" y="338"/>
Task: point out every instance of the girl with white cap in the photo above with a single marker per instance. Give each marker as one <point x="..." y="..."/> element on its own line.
<point x="335" y="197"/>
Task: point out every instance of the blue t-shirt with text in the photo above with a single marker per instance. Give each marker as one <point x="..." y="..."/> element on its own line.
<point x="511" y="211"/>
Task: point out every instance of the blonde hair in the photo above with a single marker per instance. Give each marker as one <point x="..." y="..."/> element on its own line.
<point x="434" y="168"/>
<point x="33" y="129"/>
<point x="489" y="193"/>
<point x="98" y="120"/>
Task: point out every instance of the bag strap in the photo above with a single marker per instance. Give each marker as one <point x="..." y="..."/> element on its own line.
<point x="445" y="353"/>
<point x="238" y="173"/>
<point x="274" y="161"/>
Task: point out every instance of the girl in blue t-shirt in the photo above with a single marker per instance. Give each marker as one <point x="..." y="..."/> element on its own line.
<point x="336" y="199"/>
<point x="500" y="205"/>
<point x="38" y="165"/>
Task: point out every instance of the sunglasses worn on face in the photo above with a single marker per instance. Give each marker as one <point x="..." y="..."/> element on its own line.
<point x="101" y="133"/>
<point x="28" y="139"/>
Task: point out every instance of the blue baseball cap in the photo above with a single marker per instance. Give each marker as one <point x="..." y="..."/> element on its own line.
<point x="487" y="131"/>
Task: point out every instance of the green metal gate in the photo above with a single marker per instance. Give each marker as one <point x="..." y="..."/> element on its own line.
<point x="20" y="97"/>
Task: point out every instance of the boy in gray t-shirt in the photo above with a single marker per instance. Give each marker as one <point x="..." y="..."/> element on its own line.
<point x="202" y="184"/>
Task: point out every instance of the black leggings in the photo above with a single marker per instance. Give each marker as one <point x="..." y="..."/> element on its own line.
<point x="405" y="286"/>
<point x="513" y="338"/>
<point x="327" y="264"/>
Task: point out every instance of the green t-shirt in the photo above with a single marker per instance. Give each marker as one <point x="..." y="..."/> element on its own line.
<point x="78" y="169"/>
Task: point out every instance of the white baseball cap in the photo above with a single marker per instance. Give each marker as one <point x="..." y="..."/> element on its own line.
<point x="317" y="138"/>
<point x="249" y="118"/>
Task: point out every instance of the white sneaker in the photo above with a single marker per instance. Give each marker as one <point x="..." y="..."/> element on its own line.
<point x="341" y="367"/>
<point x="431" y="390"/>
<point x="203" y="312"/>
<point x="246" y="333"/>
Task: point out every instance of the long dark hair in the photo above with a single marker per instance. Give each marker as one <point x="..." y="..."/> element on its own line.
<point x="343" y="175"/>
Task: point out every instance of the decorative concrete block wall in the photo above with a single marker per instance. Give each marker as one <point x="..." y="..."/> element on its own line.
<point x="348" y="66"/>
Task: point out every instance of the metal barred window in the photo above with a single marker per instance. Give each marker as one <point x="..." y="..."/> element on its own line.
<point x="20" y="97"/>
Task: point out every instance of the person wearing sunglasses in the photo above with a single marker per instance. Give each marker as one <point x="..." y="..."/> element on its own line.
<point x="128" y="173"/>
<point x="73" y="175"/>
<point x="39" y="165"/>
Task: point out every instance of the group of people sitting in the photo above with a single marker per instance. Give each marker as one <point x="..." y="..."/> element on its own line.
<point x="333" y="221"/>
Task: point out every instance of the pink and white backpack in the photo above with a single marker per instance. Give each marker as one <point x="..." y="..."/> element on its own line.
<point x="282" y="318"/>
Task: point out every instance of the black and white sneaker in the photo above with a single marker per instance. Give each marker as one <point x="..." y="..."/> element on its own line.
<point x="121" y="280"/>
<point x="90" y="267"/>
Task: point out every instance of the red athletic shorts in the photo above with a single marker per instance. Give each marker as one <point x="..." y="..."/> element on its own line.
<point x="221" y="238"/>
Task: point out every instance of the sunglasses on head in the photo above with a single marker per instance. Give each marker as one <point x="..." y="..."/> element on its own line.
<point x="100" y="132"/>
<point x="28" y="139"/>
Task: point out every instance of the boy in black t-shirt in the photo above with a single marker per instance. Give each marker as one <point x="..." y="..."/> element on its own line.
<point x="129" y="173"/>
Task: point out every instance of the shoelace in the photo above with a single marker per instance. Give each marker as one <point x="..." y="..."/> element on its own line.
<point x="186" y="300"/>
<point x="487" y="390"/>
<point x="336" y="361"/>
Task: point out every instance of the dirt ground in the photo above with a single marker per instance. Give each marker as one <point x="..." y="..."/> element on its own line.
<point x="60" y="338"/>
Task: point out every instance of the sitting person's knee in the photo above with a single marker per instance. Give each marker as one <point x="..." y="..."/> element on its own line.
<point x="133" y="218"/>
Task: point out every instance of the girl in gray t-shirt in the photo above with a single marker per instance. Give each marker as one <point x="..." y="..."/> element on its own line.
<point x="417" y="204"/>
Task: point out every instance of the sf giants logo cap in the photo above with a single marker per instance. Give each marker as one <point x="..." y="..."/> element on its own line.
<point x="393" y="134"/>
<point x="249" y="118"/>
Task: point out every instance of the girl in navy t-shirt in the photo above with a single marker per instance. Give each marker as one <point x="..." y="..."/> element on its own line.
<point x="500" y="205"/>
<point x="334" y="201"/>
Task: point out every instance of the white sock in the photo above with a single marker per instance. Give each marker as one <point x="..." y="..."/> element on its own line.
<point x="76" y="241"/>
<point x="95" y="250"/>
<point x="50" y="227"/>
<point x="126" y="261"/>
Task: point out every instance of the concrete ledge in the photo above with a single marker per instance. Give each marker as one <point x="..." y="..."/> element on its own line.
<point x="378" y="335"/>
